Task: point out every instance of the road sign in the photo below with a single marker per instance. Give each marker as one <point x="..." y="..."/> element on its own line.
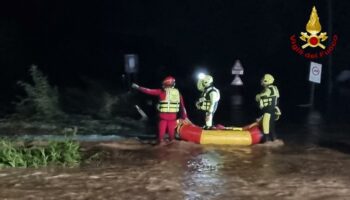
<point x="237" y="68"/>
<point x="315" y="72"/>
<point x="131" y="63"/>
<point x="237" y="81"/>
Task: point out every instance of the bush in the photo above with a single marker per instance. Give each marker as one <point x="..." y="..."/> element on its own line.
<point x="64" y="153"/>
<point x="98" y="101"/>
<point x="42" y="100"/>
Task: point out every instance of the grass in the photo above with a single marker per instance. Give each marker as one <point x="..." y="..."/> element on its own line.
<point x="57" y="153"/>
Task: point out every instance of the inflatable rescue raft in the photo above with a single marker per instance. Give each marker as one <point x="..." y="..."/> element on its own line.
<point x="248" y="135"/>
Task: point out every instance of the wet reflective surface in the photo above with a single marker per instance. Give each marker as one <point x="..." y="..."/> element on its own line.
<point x="312" y="162"/>
<point x="188" y="171"/>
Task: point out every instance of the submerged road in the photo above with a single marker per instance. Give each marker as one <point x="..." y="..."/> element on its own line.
<point x="312" y="162"/>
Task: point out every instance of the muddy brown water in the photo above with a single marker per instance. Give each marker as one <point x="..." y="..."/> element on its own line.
<point x="182" y="170"/>
<point x="312" y="163"/>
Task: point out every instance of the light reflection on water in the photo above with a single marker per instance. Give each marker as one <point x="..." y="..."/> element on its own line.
<point x="305" y="167"/>
<point x="188" y="171"/>
<point x="203" y="171"/>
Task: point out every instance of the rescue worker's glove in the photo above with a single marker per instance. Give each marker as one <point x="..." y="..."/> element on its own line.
<point x="201" y="99"/>
<point x="278" y="113"/>
<point x="187" y="121"/>
<point x="257" y="98"/>
<point x="135" y="86"/>
<point x="198" y="105"/>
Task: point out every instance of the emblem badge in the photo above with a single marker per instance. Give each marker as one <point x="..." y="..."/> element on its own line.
<point x="312" y="43"/>
<point x="313" y="27"/>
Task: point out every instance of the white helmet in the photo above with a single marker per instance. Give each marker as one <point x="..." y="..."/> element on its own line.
<point x="267" y="80"/>
<point x="205" y="82"/>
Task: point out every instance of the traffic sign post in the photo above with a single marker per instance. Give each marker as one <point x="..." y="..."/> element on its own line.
<point x="131" y="63"/>
<point x="236" y="97"/>
<point x="131" y="67"/>
<point x="237" y="70"/>
<point x="314" y="77"/>
<point x="315" y="72"/>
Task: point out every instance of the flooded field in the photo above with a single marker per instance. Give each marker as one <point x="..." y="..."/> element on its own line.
<point x="181" y="170"/>
<point x="311" y="161"/>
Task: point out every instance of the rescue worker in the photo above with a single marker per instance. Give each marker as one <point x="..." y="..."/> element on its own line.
<point x="170" y="103"/>
<point x="209" y="99"/>
<point x="268" y="104"/>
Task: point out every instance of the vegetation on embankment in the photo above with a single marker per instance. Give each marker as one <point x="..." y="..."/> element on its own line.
<point x="42" y="108"/>
<point x="56" y="153"/>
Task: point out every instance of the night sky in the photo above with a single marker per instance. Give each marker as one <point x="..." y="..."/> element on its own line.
<point x="76" y="40"/>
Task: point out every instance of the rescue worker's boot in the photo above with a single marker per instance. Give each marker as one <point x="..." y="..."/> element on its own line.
<point x="266" y="138"/>
<point x="273" y="134"/>
<point x="207" y="127"/>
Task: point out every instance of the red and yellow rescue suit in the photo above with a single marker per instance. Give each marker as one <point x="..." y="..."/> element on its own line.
<point x="170" y="103"/>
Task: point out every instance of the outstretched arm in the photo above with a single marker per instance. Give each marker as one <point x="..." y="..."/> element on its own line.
<point x="154" y="92"/>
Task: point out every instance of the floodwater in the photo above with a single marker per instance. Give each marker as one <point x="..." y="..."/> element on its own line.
<point x="312" y="161"/>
